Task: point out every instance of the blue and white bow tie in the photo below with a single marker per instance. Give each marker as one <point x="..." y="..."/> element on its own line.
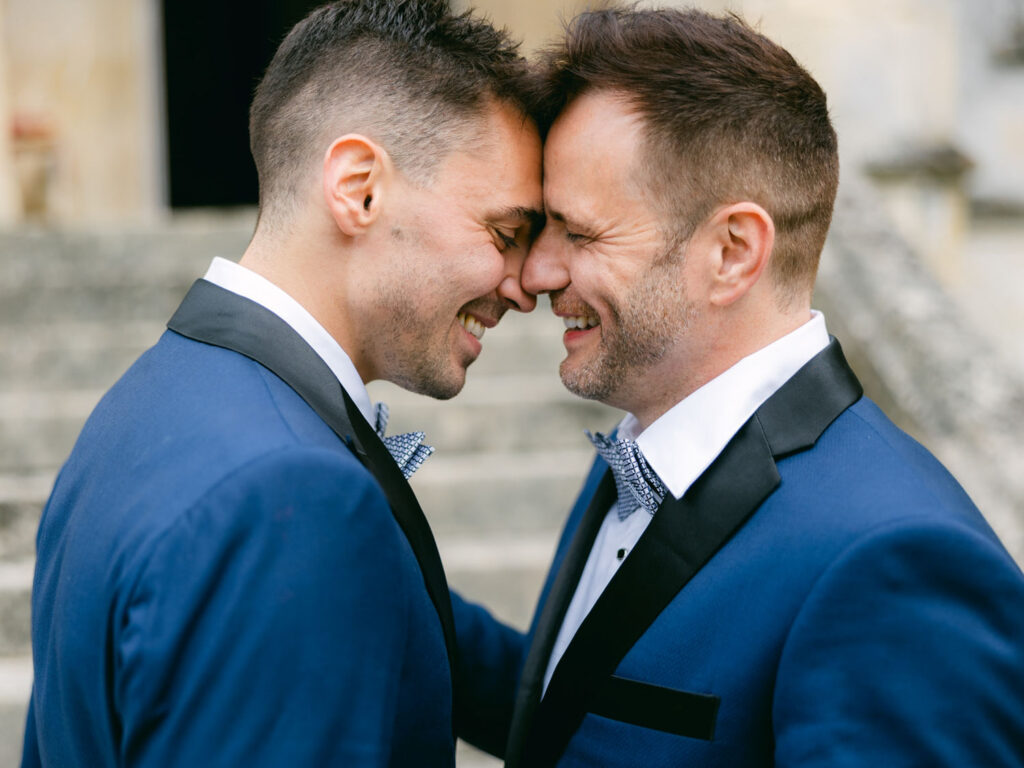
<point x="407" y="449"/>
<point x="637" y="484"/>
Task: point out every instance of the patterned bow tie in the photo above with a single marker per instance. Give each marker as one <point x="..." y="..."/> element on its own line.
<point x="635" y="481"/>
<point x="407" y="449"/>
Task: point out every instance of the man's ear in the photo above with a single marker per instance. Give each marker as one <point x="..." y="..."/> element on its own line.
<point x="744" y="235"/>
<point x="356" y="172"/>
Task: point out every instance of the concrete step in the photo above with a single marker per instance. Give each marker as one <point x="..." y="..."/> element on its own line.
<point x="15" y="689"/>
<point x="52" y="356"/>
<point x="500" y="492"/>
<point x="18" y="526"/>
<point x="114" y="304"/>
<point x="19" y="522"/>
<point x="15" y="605"/>
<point x="115" y="276"/>
<point x="504" y="572"/>
<point x="38" y="429"/>
<point x="21" y="501"/>
<point x="38" y="259"/>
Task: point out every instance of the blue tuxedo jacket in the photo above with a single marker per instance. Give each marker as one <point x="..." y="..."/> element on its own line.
<point x="824" y="595"/>
<point x="233" y="572"/>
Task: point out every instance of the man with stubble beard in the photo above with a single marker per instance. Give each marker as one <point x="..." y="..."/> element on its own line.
<point x="232" y="567"/>
<point x="761" y="569"/>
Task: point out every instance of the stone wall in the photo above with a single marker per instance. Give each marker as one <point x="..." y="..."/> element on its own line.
<point x="84" y="90"/>
<point x="84" y="107"/>
<point x="10" y="202"/>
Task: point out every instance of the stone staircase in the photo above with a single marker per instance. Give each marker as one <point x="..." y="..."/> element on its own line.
<point x="77" y="308"/>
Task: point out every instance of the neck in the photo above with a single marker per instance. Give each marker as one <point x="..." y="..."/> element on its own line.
<point x="313" y="276"/>
<point x="705" y="358"/>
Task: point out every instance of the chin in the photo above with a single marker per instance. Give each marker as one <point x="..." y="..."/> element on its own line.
<point x="584" y="382"/>
<point x="435" y="375"/>
<point x="441" y="387"/>
<point x="444" y="394"/>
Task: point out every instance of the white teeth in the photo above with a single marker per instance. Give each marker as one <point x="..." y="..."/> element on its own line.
<point x="578" y="322"/>
<point x="472" y="325"/>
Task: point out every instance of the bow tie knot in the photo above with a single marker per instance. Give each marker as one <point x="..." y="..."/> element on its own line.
<point x="635" y="481"/>
<point x="408" y="449"/>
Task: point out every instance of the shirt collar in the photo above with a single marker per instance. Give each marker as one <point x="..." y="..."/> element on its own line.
<point x="684" y="440"/>
<point x="246" y="283"/>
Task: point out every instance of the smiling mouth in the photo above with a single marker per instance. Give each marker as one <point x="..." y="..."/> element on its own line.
<point x="472" y="325"/>
<point x="580" y="322"/>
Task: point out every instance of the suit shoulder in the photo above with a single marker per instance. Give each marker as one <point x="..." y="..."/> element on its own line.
<point x="864" y="461"/>
<point x="866" y="484"/>
<point x="871" y="430"/>
<point x="187" y="414"/>
<point x="925" y="541"/>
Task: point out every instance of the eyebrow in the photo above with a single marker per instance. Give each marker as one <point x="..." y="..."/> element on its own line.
<point x="533" y="216"/>
<point x="561" y="218"/>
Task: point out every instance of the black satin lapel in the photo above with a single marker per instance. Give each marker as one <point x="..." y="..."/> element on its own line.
<point x="553" y="611"/>
<point x="215" y="316"/>
<point x="795" y="416"/>
<point x="412" y="521"/>
<point x="681" y="538"/>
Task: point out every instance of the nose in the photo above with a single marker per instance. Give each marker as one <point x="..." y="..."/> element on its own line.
<point x="510" y="289"/>
<point x="545" y="270"/>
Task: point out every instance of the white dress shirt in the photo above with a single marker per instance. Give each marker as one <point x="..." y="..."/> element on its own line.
<point x="679" y="446"/>
<point x="238" y="279"/>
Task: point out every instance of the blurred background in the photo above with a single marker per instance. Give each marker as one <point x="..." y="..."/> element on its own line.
<point x="124" y="168"/>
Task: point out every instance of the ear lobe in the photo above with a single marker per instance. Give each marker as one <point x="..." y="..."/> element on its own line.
<point x="355" y="173"/>
<point x="745" y="237"/>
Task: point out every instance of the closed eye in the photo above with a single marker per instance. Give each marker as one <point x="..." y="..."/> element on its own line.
<point x="564" y="223"/>
<point x="504" y="241"/>
<point x="508" y="241"/>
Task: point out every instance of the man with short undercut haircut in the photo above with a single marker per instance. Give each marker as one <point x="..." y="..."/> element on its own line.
<point x="232" y="567"/>
<point x="761" y="568"/>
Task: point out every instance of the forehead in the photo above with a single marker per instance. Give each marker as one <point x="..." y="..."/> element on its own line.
<point x="500" y="161"/>
<point x="592" y="148"/>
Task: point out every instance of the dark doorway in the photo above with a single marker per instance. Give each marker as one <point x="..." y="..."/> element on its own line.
<point x="215" y="53"/>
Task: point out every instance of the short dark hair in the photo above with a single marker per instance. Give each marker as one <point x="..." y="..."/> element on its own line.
<point x="728" y="116"/>
<point x="410" y="74"/>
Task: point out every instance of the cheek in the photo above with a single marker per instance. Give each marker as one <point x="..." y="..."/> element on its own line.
<point x="610" y="296"/>
<point x="594" y="283"/>
<point x="482" y="267"/>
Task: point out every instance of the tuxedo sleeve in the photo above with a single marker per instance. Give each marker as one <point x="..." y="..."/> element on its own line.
<point x="490" y="659"/>
<point x="267" y="626"/>
<point x="908" y="652"/>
